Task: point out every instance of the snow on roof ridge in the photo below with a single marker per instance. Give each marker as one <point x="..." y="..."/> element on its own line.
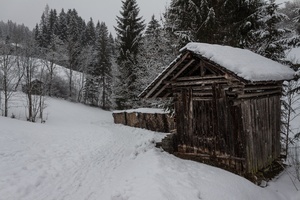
<point x="143" y="110"/>
<point x="242" y="62"/>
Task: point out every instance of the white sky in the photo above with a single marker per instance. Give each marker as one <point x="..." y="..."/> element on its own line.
<point x="28" y="12"/>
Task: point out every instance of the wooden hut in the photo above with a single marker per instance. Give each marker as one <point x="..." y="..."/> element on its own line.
<point x="36" y="87"/>
<point x="227" y="105"/>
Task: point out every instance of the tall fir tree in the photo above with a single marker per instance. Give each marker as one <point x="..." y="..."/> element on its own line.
<point x="103" y="68"/>
<point x="129" y="34"/>
<point x="63" y="26"/>
<point x="155" y="55"/>
<point x="156" y="52"/>
<point x="153" y="27"/>
<point x="73" y="47"/>
<point x="89" y="33"/>
<point x="43" y="37"/>
<point x="292" y="10"/>
<point x="267" y="38"/>
<point x="181" y="18"/>
<point x="209" y="21"/>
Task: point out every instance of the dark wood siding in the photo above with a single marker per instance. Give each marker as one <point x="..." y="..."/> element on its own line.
<point x="242" y="129"/>
<point x="211" y="128"/>
<point x="261" y="121"/>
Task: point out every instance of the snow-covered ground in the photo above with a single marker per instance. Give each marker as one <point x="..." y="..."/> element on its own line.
<point x="80" y="154"/>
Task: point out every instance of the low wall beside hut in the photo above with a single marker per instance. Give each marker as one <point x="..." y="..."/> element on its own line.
<point x="147" y="118"/>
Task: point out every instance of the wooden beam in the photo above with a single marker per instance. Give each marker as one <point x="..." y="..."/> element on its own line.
<point x="212" y="68"/>
<point x="250" y="95"/>
<point x="267" y="87"/>
<point x="193" y="70"/>
<point x="178" y="73"/>
<point x="161" y="89"/>
<point x="202" y="68"/>
<point x="192" y="78"/>
<point x="161" y="79"/>
<point x="201" y="94"/>
<point x="208" y="156"/>
<point x="182" y="69"/>
<point x="202" y="82"/>
<point x="202" y="98"/>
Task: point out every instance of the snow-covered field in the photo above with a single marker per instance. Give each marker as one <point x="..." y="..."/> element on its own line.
<point x="79" y="154"/>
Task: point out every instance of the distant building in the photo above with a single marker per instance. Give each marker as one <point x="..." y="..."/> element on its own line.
<point x="36" y="87"/>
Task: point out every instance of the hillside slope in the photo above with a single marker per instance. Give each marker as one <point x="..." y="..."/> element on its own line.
<point x="80" y="154"/>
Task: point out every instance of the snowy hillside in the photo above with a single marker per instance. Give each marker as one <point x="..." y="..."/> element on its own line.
<point x="80" y="154"/>
<point x="40" y="68"/>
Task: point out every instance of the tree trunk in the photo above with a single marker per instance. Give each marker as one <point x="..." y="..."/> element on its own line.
<point x="103" y="93"/>
<point x="5" y="94"/>
<point x="30" y="115"/>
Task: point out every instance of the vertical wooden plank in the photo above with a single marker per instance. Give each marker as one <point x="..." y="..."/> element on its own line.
<point x="252" y="135"/>
<point x="184" y="122"/>
<point x="214" y="117"/>
<point x="190" y="117"/>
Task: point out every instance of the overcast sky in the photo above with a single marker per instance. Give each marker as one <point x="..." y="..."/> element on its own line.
<point x="28" y="12"/>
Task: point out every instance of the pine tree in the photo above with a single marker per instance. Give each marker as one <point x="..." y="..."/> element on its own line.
<point x="292" y="10"/>
<point x="103" y="68"/>
<point x="53" y="23"/>
<point x="210" y="27"/>
<point x="36" y="33"/>
<point x="111" y="44"/>
<point x="91" y="90"/>
<point x="90" y="33"/>
<point x="62" y="26"/>
<point x="43" y="37"/>
<point x="129" y="29"/>
<point x="156" y="53"/>
<point x="153" y="27"/>
<point x="182" y="17"/>
<point x="267" y="39"/>
<point x="210" y="21"/>
<point x="73" y="47"/>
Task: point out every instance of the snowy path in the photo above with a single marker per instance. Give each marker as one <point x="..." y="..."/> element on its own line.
<point x="79" y="154"/>
<point x="72" y="156"/>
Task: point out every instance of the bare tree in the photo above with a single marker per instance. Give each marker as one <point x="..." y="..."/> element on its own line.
<point x="30" y="68"/>
<point x="54" y="54"/>
<point x="8" y="73"/>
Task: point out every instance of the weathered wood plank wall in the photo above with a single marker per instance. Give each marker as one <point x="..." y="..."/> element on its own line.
<point x="261" y="122"/>
<point x="242" y="133"/>
<point x="211" y="129"/>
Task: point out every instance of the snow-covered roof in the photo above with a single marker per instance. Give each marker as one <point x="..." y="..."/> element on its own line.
<point x="242" y="62"/>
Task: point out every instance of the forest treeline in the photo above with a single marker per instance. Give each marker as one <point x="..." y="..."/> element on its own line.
<point x="116" y="69"/>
